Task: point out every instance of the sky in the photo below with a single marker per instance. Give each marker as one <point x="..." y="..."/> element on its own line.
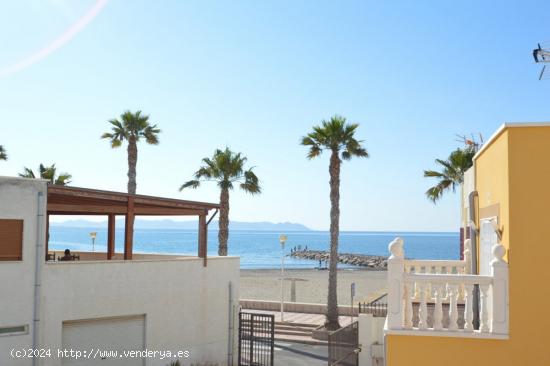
<point x="256" y="76"/>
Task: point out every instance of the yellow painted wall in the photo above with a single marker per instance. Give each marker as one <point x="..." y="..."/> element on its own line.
<point x="513" y="171"/>
<point x="492" y="183"/>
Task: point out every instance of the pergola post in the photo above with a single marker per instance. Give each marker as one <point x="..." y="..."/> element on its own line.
<point x="46" y="246"/>
<point x="111" y="236"/>
<point x="129" y="230"/>
<point x="203" y="231"/>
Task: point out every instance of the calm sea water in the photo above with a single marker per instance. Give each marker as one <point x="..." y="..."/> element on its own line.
<point x="261" y="249"/>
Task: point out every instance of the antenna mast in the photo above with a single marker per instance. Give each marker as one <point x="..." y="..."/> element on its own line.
<point x="542" y="55"/>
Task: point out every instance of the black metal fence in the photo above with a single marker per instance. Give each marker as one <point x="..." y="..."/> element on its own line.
<point x="256" y="339"/>
<point x="343" y="346"/>
<point x="377" y="309"/>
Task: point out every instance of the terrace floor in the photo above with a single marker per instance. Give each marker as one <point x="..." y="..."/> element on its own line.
<point x="298" y="327"/>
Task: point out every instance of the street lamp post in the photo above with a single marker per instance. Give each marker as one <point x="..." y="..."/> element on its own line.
<point x="282" y="240"/>
<point x="93" y="235"/>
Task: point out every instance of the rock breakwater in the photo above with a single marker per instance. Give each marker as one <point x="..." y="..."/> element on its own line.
<point x="363" y="260"/>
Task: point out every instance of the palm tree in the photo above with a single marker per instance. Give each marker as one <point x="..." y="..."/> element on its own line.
<point x="3" y="153"/>
<point x="452" y="170"/>
<point x="132" y="127"/>
<point x="337" y="137"/>
<point x="226" y="168"/>
<point x="49" y="173"/>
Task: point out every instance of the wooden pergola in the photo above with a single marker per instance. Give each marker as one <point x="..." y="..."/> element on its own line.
<point x="64" y="200"/>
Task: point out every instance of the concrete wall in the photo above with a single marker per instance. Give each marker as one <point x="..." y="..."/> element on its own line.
<point x="186" y="306"/>
<point x="371" y="339"/>
<point x="19" y="200"/>
<point x="513" y="180"/>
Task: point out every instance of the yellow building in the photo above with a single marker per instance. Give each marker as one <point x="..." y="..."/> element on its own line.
<point x="511" y="211"/>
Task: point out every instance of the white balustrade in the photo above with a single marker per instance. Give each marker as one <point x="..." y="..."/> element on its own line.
<point x="446" y="287"/>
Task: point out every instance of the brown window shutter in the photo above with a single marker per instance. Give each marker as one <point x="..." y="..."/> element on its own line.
<point x="11" y="240"/>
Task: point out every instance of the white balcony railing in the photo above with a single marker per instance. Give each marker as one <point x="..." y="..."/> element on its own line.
<point x="442" y="293"/>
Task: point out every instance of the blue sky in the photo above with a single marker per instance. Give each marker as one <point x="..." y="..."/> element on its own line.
<point x="256" y="76"/>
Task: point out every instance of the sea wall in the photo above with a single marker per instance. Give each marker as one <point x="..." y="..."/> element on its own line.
<point x="362" y="260"/>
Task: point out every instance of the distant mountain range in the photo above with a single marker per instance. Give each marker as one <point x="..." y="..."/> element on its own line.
<point x="188" y="225"/>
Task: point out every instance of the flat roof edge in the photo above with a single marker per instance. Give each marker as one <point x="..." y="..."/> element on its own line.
<point x="504" y="127"/>
<point x="7" y="177"/>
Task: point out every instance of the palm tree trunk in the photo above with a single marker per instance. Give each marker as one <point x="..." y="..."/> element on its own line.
<point x="223" y="232"/>
<point x="132" y="162"/>
<point x="332" y="301"/>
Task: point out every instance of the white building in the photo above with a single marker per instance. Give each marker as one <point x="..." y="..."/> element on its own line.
<point x="108" y="301"/>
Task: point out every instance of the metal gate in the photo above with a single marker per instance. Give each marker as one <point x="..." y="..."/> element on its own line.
<point x="256" y="339"/>
<point x="343" y="346"/>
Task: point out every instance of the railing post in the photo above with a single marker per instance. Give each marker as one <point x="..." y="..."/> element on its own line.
<point x="499" y="269"/>
<point x="423" y="307"/>
<point x="438" y="309"/>
<point x="452" y="291"/>
<point x="468" y="308"/>
<point x="396" y="268"/>
<point x="483" y="311"/>
<point x="408" y="310"/>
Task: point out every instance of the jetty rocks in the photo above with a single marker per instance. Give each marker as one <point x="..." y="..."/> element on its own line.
<point x="363" y="260"/>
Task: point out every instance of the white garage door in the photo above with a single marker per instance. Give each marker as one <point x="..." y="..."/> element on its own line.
<point x="104" y="335"/>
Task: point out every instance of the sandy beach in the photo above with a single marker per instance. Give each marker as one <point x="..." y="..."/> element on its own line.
<point x="263" y="284"/>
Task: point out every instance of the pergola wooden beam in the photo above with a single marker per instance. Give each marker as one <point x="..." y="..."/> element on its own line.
<point x="64" y="200"/>
<point x="158" y="211"/>
<point x="67" y="209"/>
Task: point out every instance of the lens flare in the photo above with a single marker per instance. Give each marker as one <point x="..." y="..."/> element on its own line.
<point x="57" y="43"/>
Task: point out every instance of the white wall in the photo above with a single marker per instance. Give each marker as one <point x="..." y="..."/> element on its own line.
<point x="185" y="304"/>
<point x="19" y="200"/>
<point x="371" y="339"/>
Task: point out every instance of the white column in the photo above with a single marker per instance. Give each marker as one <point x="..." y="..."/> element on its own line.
<point x="452" y="290"/>
<point x="483" y="313"/>
<point x="438" y="310"/>
<point x="407" y="319"/>
<point x="423" y="309"/>
<point x="468" y="308"/>
<point x="396" y="267"/>
<point x="499" y="268"/>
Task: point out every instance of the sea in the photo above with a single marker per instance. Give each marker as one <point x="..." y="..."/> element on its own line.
<point x="261" y="249"/>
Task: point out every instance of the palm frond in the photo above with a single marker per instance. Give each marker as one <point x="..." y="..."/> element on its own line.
<point x="251" y="183"/>
<point x="432" y="174"/>
<point x="3" y="153"/>
<point x="132" y="125"/>
<point x="314" y="152"/>
<point x="335" y="135"/>
<point x="48" y="173"/>
<point x="27" y="173"/>
<point x="436" y="192"/>
<point x="63" y="179"/>
<point x="452" y="172"/>
<point x="226" y="168"/>
<point x="190" y="184"/>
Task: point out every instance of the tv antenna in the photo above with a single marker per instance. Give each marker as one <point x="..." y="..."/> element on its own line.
<point x="542" y="55"/>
